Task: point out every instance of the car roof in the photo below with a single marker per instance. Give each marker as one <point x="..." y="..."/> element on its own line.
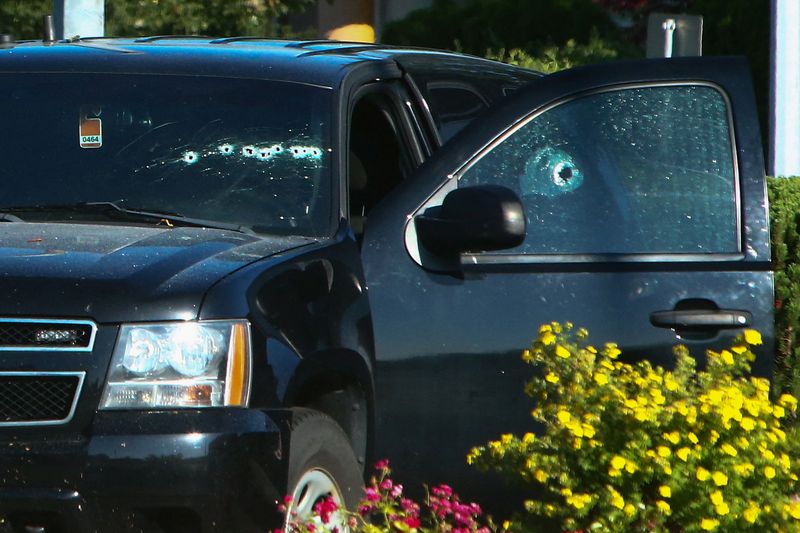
<point x="321" y="63"/>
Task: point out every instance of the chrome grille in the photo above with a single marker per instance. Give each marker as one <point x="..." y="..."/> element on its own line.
<point x="35" y="334"/>
<point x="38" y="398"/>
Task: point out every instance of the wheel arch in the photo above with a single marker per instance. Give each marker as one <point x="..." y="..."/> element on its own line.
<point x="339" y="384"/>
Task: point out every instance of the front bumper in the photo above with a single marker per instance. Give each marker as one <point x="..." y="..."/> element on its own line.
<point x="201" y="471"/>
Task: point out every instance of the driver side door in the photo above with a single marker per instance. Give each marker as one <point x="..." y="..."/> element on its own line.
<point x="643" y="189"/>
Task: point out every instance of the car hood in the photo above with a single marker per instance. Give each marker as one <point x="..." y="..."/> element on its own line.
<point x="114" y="273"/>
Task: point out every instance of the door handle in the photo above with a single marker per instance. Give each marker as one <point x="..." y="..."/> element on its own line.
<point x="701" y="319"/>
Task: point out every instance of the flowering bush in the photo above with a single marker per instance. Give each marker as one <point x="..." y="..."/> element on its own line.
<point x="639" y="448"/>
<point x="385" y="508"/>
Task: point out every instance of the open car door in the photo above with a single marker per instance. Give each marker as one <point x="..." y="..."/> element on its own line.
<point x="644" y="200"/>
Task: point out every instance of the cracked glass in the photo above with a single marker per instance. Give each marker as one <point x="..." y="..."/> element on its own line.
<point x="637" y="170"/>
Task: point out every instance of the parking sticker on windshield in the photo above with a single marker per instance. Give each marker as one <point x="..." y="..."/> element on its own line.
<point x="91" y="128"/>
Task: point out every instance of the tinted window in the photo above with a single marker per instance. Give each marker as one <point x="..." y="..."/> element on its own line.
<point x="248" y="152"/>
<point x="639" y="170"/>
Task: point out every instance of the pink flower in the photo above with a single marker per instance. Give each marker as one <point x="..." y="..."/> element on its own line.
<point x="372" y="494"/>
<point x="413" y="522"/>
<point x="325" y="509"/>
<point x="386" y="484"/>
<point x="409" y="506"/>
<point x="364" y="510"/>
<point x="397" y="491"/>
<point x="383" y="464"/>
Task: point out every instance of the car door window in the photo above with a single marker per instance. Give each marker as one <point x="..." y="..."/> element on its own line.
<point x="647" y="169"/>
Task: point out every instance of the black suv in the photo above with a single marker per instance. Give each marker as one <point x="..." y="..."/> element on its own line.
<point x="233" y="269"/>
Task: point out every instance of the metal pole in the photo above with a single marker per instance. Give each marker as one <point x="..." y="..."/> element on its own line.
<point x="784" y="138"/>
<point x="78" y="17"/>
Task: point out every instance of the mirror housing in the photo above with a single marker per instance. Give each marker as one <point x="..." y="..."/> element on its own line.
<point x="473" y="219"/>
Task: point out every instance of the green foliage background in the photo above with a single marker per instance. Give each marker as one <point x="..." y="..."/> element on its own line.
<point x="784" y="197"/>
<point x="23" y="18"/>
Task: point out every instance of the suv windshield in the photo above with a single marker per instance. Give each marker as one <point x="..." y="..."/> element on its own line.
<point x="249" y="153"/>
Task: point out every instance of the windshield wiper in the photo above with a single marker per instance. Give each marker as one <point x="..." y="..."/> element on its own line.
<point x="115" y="211"/>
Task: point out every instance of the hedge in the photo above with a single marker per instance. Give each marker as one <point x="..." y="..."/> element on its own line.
<point x="784" y="197"/>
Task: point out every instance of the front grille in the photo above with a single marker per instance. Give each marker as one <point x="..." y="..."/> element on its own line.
<point x="32" y="334"/>
<point x="35" y="398"/>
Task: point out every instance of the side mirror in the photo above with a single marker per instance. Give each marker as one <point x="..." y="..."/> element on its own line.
<point x="473" y="219"/>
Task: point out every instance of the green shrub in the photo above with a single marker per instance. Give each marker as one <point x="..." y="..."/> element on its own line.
<point x="540" y="35"/>
<point x="784" y="197"/>
<point x="553" y="58"/>
<point x="629" y="448"/>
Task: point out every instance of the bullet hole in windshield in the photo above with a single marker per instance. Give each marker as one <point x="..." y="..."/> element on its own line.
<point x="190" y="157"/>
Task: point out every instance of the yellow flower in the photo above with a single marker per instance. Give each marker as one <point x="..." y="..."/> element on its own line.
<point x="551" y="378"/>
<point x="671" y="384"/>
<point x="601" y="378"/>
<point x="778" y="411"/>
<point x="751" y="513"/>
<point x="683" y="454"/>
<point x="528" y="438"/>
<point x="722" y="509"/>
<point x="747" y="423"/>
<point x="616" y="499"/>
<point x="629" y="509"/>
<point x="663" y="451"/>
<point x="540" y="475"/>
<point x="787" y="400"/>
<point x="612" y="351"/>
<point x="702" y="474"/>
<point x="527" y="356"/>
<point x="665" y="491"/>
<point x="562" y="352"/>
<point x="663" y="506"/>
<point x="692" y="437"/>
<point x="563" y="417"/>
<point x="588" y="430"/>
<point x="708" y="524"/>
<point x="752" y="337"/>
<point x="618" y="462"/>
<point x="744" y="469"/>
<point x="720" y="479"/>
<point x="769" y="472"/>
<point x="739" y="349"/>
<point x="673" y="437"/>
<point x="630" y="467"/>
<point x="579" y="501"/>
<point x="794" y="510"/>
<point x="547" y="338"/>
<point x="545" y="327"/>
<point x="727" y="357"/>
<point x="717" y="497"/>
<point x="730" y="450"/>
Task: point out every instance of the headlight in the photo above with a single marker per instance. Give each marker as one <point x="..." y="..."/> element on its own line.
<point x="180" y="364"/>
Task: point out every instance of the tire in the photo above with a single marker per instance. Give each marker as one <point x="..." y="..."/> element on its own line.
<point x="321" y="463"/>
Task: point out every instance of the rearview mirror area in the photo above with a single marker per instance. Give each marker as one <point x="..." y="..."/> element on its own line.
<point x="480" y="218"/>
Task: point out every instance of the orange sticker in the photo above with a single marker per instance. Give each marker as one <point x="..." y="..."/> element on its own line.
<point x="91" y="130"/>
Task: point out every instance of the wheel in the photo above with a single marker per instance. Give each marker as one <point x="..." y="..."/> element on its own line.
<point x="321" y="464"/>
